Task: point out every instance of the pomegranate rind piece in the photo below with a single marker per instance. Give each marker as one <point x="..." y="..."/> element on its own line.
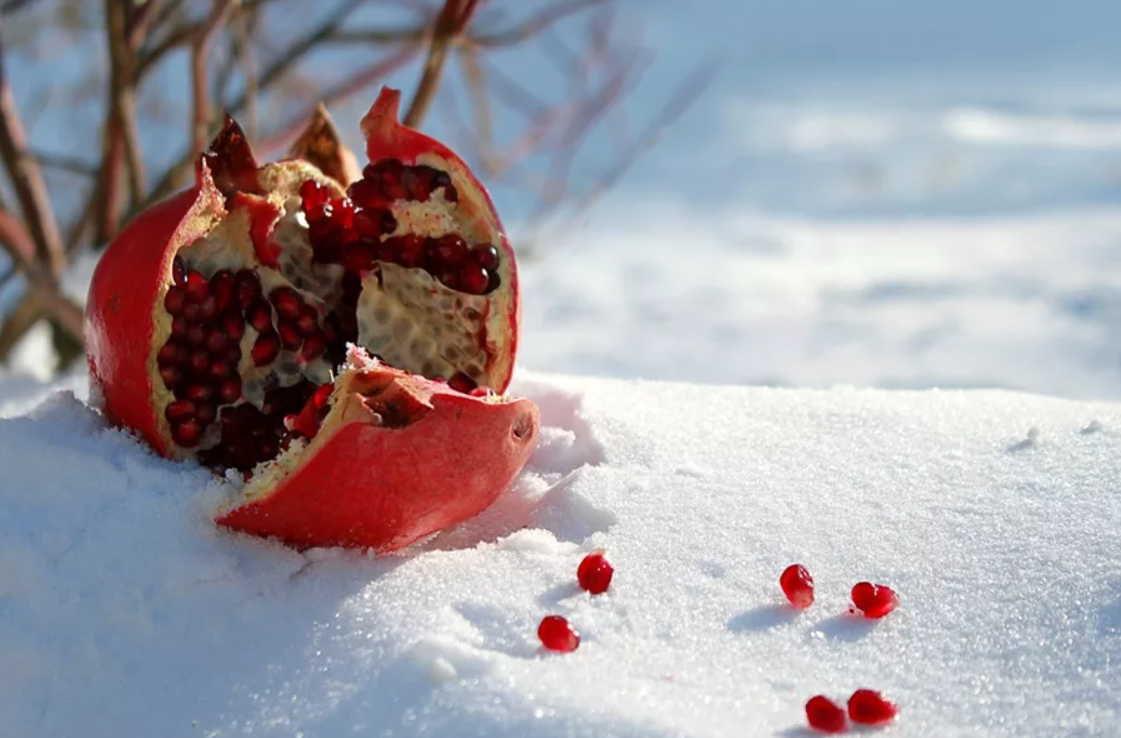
<point x="386" y="137"/>
<point x="435" y="458"/>
<point x="321" y="145"/>
<point x="125" y="295"/>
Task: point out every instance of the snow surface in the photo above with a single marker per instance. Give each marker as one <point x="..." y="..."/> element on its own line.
<point x="125" y="612"/>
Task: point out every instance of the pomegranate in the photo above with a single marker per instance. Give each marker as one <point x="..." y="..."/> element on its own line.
<point x="218" y="325"/>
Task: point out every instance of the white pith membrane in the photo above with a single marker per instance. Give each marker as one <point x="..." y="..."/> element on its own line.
<point x="404" y="315"/>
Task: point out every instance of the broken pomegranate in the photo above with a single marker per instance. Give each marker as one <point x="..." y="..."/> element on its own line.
<point x="874" y="600"/>
<point x="868" y="707"/>
<point x="595" y="572"/>
<point x="218" y="325"/>
<point x="557" y="634"/>
<point x="797" y="585"/>
<point x="825" y="715"/>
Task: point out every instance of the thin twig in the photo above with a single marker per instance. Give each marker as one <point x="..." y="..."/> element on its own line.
<point x="535" y="23"/>
<point x="446" y="30"/>
<point x="66" y="163"/>
<point x="200" y="84"/>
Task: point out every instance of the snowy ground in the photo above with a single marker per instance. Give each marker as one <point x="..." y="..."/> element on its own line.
<point x="123" y="611"/>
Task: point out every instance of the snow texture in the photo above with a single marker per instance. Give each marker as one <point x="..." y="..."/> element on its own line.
<point x="125" y="612"/>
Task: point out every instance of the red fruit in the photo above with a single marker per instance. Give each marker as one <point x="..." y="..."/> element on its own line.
<point x="874" y="600"/>
<point x="397" y="455"/>
<point x="557" y="634"/>
<point x="823" y="714"/>
<point x="797" y="585"/>
<point x="595" y="572"/>
<point x="869" y="707"/>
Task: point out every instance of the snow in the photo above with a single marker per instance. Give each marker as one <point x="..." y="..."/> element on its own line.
<point x="125" y="611"/>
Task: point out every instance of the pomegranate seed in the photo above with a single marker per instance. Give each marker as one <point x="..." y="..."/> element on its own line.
<point x="265" y="349"/>
<point x="342" y="213"/>
<point x="192" y="312"/>
<point x="222" y="289"/>
<point x="874" y="600"/>
<point x="199" y="361"/>
<point x="248" y="286"/>
<point x="187" y="433"/>
<point x="314" y="345"/>
<point x="169" y="355"/>
<point x="230" y="389"/>
<point x="174" y="300"/>
<point x="200" y="392"/>
<point x="493" y="282"/>
<point x="417" y="182"/>
<point x="411" y="250"/>
<point x="205" y="415"/>
<point x="473" y="279"/>
<point x="869" y="707"/>
<point x="196" y="335"/>
<point x="797" y="585"/>
<point x="450" y="280"/>
<point x="450" y="194"/>
<point x="233" y="355"/>
<point x="440" y="179"/>
<point x="366" y="223"/>
<point x="234" y="327"/>
<point x="171" y="376"/>
<point x="359" y="257"/>
<point x="312" y="193"/>
<point x="482" y="392"/>
<point x="366" y="193"/>
<point x="216" y="342"/>
<point x="308" y="322"/>
<point x="452" y="249"/>
<point x="595" y="572"/>
<point x="208" y="308"/>
<point x="179" y="327"/>
<point x="387" y="222"/>
<point x="260" y="316"/>
<point x="823" y="714"/>
<point x="196" y="287"/>
<point x="460" y="382"/>
<point x="179" y="410"/>
<point x="287" y="303"/>
<point x="485" y="256"/>
<point x="220" y="368"/>
<point x="289" y="336"/>
<point x="178" y="270"/>
<point x="557" y="634"/>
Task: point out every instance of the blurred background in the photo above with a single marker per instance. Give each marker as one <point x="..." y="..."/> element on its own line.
<point x="892" y="193"/>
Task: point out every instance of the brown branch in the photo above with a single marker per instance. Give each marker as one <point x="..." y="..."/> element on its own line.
<point x="66" y="163"/>
<point x="375" y="36"/>
<point x="535" y="23"/>
<point x="200" y="84"/>
<point x="448" y="27"/>
<point x="7" y="276"/>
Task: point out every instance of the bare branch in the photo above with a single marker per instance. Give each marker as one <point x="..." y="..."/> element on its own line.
<point x="448" y="27"/>
<point x="375" y="36"/>
<point x="535" y="23"/>
<point x="66" y="163"/>
<point x="13" y="6"/>
<point x="200" y="84"/>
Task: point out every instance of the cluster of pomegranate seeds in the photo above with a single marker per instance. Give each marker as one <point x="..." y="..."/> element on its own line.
<point x="595" y="572"/>
<point x="868" y="707"/>
<point x="797" y="585"/>
<point x="557" y="634"/>
<point x="297" y="328"/>
<point x="825" y="715"/>
<point x="251" y="435"/>
<point x="874" y="600"/>
<point x="355" y="231"/>
<point x="199" y="361"/>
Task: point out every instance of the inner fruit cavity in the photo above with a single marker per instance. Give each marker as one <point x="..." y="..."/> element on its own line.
<point x="255" y="335"/>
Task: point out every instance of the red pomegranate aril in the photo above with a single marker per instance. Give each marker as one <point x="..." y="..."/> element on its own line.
<point x="825" y="715"/>
<point x="287" y="303"/>
<point x="230" y="389"/>
<point x="248" y="287"/>
<point x="868" y="707"/>
<point x="178" y="270"/>
<point x="233" y="355"/>
<point x="199" y="392"/>
<point x="485" y="256"/>
<point x="314" y="345"/>
<point x="557" y="634"/>
<point x="366" y="193"/>
<point x="411" y="250"/>
<point x="234" y="327"/>
<point x="171" y="376"/>
<point x="222" y="289"/>
<point x="290" y="338"/>
<point x="450" y="280"/>
<point x="493" y="282"/>
<point x="179" y="410"/>
<point x="205" y="414"/>
<point x="312" y="194"/>
<point x="342" y="213"/>
<point x="462" y="383"/>
<point x="452" y="249"/>
<point x="220" y="368"/>
<point x="387" y="223"/>
<point x="359" y="257"/>
<point x="260" y="316"/>
<point x="196" y="335"/>
<point x="366" y="223"/>
<point x="188" y="433"/>
<point x="199" y="362"/>
<point x="192" y="313"/>
<point x="169" y="355"/>
<point x="417" y="183"/>
<point x="196" y="287"/>
<point x="473" y="279"/>
<point x="308" y="322"/>
<point x="440" y="179"/>
<point x="216" y="341"/>
<point x="179" y="327"/>
<point x="174" y="301"/>
<point x="797" y="585"/>
<point x="595" y="572"/>
<point x="266" y="348"/>
<point x="874" y="600"/>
